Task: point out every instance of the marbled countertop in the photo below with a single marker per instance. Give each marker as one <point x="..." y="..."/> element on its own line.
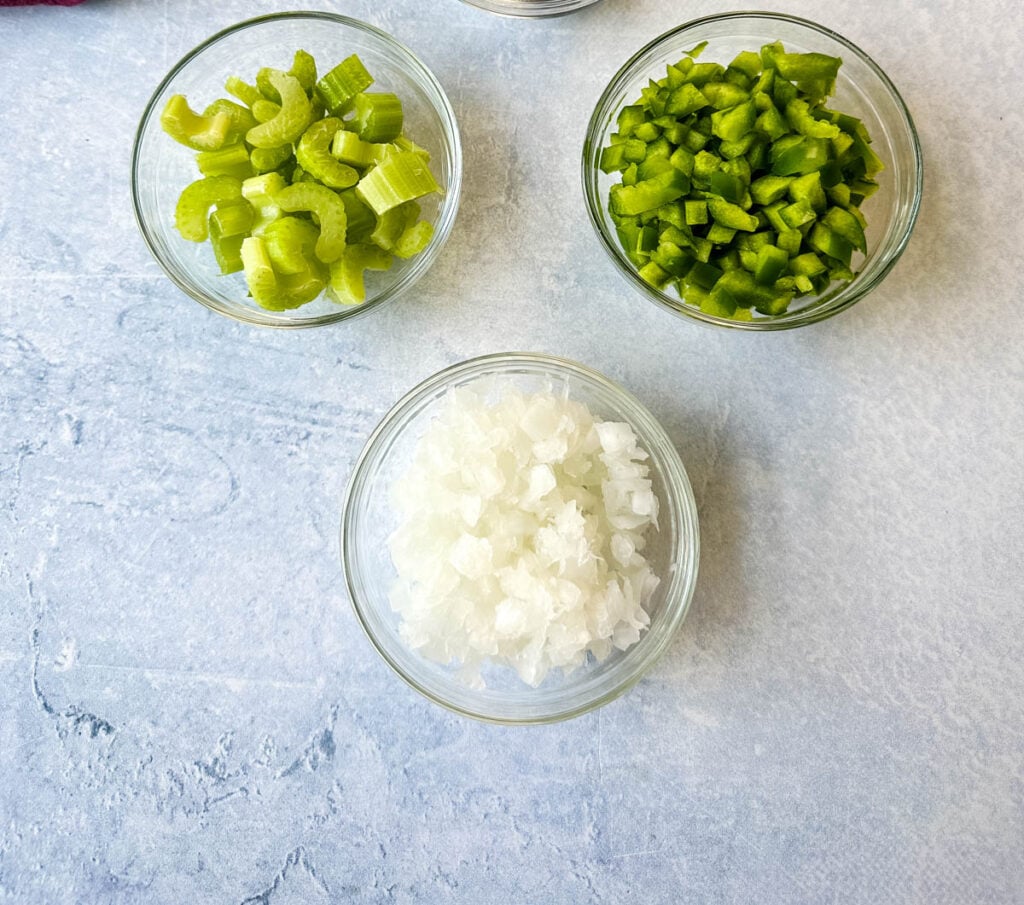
<point x="190" y="712"/>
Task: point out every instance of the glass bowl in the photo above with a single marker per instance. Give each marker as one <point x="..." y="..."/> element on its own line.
<point x="368" y="521"/>
<point x="161" y="167"/>
<point x="862" y="90"/>
<point x="530" y="8"/>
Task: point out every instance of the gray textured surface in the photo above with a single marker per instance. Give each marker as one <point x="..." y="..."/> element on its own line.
<point x="188" y="710"/>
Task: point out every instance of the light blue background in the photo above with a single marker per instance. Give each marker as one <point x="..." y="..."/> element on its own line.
<point x="189" y="711"/>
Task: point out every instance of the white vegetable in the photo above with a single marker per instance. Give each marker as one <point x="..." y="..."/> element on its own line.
<point x="521" y="529"/>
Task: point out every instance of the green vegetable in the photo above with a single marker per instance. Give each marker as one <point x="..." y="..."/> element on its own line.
<point x="300" y="202"/>
<point x="738" y="187"/>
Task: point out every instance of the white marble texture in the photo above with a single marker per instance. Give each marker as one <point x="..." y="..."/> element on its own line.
<point x="189" y="711"/>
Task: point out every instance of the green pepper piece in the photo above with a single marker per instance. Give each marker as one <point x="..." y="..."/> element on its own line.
<point x="771" y="264"/>
<point x="722" y="95"/>
<point x="314" y="157"/>
<point x="338" y="88"/>
<point x="650" y="193"/>
<point x="200" y="133"/>
<point x="806" y="265"/>
<point x="807" y="188"/>
<point x="672" y="259"/>
<point x="803" y="155"/>
<point x="728" y="186"/>
<point x="830" y="243"/>
<point x="768" y="189"/>
<point x="190" y="213"/>
<point x="731" y="215"/>
<point x="703" y="275"/>
<point x="845" y="223"/>
<point x="734" y="123"/>
<point x="684" y="100"/>
<point x="696" y="212"/>
<point x="797" y="214"/>
<point x="328" y="209"/>
<point x="790" y="240"/>
<point x="292" y="120"/>
<point x="798" y="115"/>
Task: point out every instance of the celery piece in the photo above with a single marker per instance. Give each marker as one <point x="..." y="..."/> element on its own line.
<point x="392" y="223"/>
<point x="304" y="69"/>
<point x="246" y="93"/>
<point x="414" y="239"/>
<point x="328" y="209"/>
<point x="378" y="117"/>
<point x="292" y="120"/>
<point x="361" y="221"/>
<point x="400" y="177"/>
<point x="194" y="203"/>
<point x="259" y="272"/>
<point x="266" y="160"/>
<point x="290" y="244"/>
<point x="234" y="218"/>
<point x="264" y="110"/>
<point x="241" y="118"/>
<point x="338" y="87"/>
<point x="195" y="131"/>
<point x="259" y="191"/>
<point x="314" y="157"/>
<point x="232" y="160"/>
<point x="227" y="250"/>
<point x="350" y="149"/>
<point x="347" y="282"/>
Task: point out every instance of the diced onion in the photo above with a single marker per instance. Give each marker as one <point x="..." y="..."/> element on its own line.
<point x="521" y="529"/>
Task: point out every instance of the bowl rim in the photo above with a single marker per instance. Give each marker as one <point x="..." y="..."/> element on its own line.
<point x="594" y="138"/>
<point x="517" y="9"/>
<point x="679" y="492"/>
<point x="447" y="211"/>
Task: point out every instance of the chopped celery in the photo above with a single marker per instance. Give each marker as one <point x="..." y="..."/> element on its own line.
<point x="401" y="177"/>
<point x="314" y="157"/>
<point x="339" y="86"/>
<point x="347" y="283"/>
<point x="378" y="117"/>
<point x="328" y="209"/>
<point x="771" y="181"/>
<point x="190" y="213"/>
<point x="416" y="238"/>
<point x="299" y="198"/>
<point x="201" y="133"/>
<point x="292" y="119"/>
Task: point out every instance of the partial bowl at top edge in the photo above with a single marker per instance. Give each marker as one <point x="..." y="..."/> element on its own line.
<point x="862" y="90"/>
<point x="530" y="8"/>
<point x="161" y="167"/>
